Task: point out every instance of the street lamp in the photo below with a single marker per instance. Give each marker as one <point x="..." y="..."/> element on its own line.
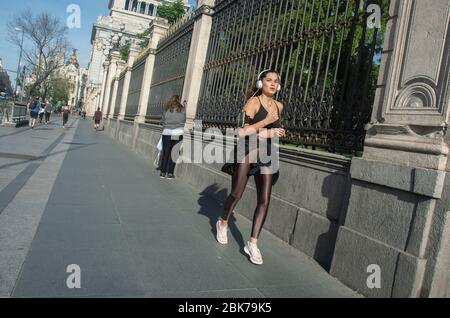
<point x="20" y="60"/>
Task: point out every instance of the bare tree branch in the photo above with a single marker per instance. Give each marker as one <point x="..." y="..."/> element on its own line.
<point x="46" y="43"/>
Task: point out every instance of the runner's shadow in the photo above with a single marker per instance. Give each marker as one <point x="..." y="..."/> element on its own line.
<point x="210" y="207"/>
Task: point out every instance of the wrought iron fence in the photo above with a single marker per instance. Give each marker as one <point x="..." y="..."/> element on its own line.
<point x="12" y="112"/>
<point x="170" y="69"/>
<point x="134" y="92"/>
<point x="326" y="55"/>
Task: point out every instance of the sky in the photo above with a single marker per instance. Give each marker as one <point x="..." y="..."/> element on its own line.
<point x="79" y="38"/>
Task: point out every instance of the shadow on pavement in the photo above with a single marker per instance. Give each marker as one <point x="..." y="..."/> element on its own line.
<point x="210" y="208"/>
<point x="45" y="157"/>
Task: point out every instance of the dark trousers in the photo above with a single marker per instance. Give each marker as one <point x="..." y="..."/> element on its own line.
<point x="47" y="117"/>
<point x="41" y="116"/>
<point x="168" y="163"/>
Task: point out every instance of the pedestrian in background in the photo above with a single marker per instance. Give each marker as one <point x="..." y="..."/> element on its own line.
<point x="66" y="112"/>
<point x="48" y="111"/>
<point x="173" y="121"/>
<point x="34" y="106"/>
<point x="97" y="119"/>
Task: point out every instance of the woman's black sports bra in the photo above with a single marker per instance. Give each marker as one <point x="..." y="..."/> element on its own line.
<point x="261" y="115"/>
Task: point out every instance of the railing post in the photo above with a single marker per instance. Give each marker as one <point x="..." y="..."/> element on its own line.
<point x="197" y="58"/>
<point x="120" y="67"/>
<point x="157" y="29"/>
<point x="103" y="88"/>
<point x="134" y="52"/>
<point x="115" y="56"/>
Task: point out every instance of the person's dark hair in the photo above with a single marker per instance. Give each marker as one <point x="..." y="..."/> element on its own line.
<point x="98" y="108"/>
<point x="174" y="104"/>
<point x="253" y="91"/>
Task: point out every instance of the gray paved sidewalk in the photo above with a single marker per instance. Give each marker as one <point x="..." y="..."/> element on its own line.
<point x="94" y="203"/>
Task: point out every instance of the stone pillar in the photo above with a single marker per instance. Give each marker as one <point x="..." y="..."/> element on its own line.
<point x="197" y="59"/>
<point x="115" y="56"/>
<point x="398" y="215"/>
<point x="119" y="68"/>
<point x="158" y="27"/>
<point x="134" y="52"/>
<point x="103" y="87"/>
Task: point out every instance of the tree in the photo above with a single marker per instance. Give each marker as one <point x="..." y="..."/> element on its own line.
<point x="46" y="45"/>
<point x="172" y="12"/>
<point x="58" y="89"/>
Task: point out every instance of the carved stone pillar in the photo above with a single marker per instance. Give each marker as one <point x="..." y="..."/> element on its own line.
<point x="103" y="89"/>
<point x="157" y="29"/>
<point x="134" y="52"/>
<point x="120" y="67"/>
<point x="115" y="56"/>
<point x="398" y="215"/>
<point x="197" y="59"/>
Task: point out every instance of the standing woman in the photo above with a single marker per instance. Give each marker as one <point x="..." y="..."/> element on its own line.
<point x="260" y="117"/>
<point x="48" y="111"/>
<point x="42" y="112"/>
<point x="66" y="112"/>
<point x="174" y="119"/>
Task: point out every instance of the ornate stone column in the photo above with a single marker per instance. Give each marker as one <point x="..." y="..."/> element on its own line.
<point x="134" y="52"/>
<point x="157" y="29"/>
<point x="115" y="56"/>
<point x="398" y="213"/>
<point x="119" y="68"/>
<point x="197" y="59"/>
<point x="102" y="92"/>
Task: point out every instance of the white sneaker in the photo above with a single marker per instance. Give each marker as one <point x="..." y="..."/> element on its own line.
<point x="221" y="234"/>
<point x="255" y="254"/>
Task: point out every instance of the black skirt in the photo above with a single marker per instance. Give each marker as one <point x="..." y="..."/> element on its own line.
<point x="255" y="167"/>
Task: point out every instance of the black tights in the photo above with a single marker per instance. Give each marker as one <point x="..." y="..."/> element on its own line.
<point x="263" y="189"/>
<point x="168" y="163"/>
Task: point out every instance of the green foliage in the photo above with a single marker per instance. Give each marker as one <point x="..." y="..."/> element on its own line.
<point x="144" y="37"/>
<point x="59" y="88"/>
<point x="171" y="12"/>
<point x="125" y="51"/>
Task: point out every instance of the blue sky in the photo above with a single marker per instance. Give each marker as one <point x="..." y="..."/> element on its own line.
<point x="79" y="38"/>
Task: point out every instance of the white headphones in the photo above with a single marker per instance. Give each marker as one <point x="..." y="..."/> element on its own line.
<point x="259" y="83"/>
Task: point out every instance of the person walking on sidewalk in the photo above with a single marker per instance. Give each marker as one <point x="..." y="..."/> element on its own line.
<point x="34" y="107"/>
<point x="260" y="117"/>
<point x="48" y="111"/>
<point x="173" y="121"/>
<point x="97" y="118"/>
<point x="66" y="112"/>
<point x="41" y="112"/>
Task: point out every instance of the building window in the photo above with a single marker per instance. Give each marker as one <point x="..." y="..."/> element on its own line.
<point x="135" y="4"/>
<point x="151" y="7"/>
<point x="127" y="5"/>
<point x="142" y="11"/>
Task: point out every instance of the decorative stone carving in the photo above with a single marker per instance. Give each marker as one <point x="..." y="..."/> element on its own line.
<point x="416" y="96"/>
